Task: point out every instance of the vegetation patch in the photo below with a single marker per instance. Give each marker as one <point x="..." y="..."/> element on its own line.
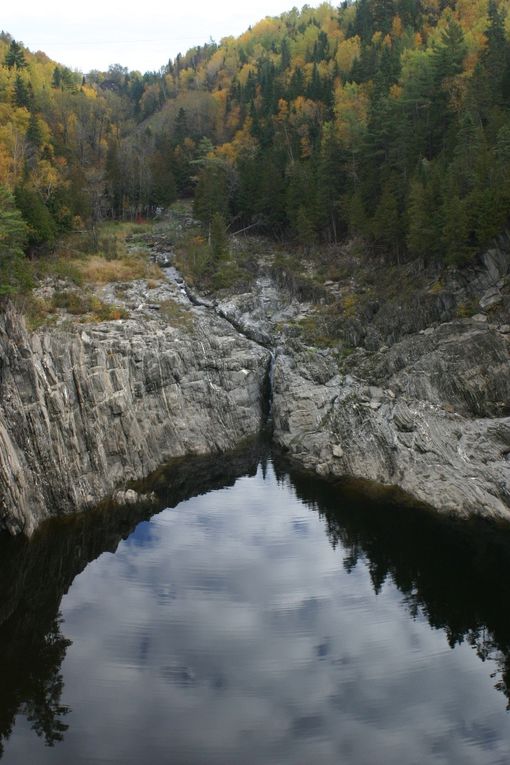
<point x="96" y="269"/>
<point x="176" y="314"/>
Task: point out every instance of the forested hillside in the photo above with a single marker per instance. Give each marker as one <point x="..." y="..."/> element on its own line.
<point x="385" y="119"/>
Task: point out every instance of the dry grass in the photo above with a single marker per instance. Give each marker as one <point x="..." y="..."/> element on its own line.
<point x="97" y="269"/>
<point x="83" y="305"/>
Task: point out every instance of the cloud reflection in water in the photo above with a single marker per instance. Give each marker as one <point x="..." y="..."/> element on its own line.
<point x="228" y="630"/>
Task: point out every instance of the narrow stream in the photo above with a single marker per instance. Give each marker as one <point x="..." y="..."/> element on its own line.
<point x="261" y="617"/>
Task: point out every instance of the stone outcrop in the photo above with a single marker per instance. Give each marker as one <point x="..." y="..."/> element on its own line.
<point x="422" y="403"/>
<point x="429" y="415"/>
<point x="85" y="409"/>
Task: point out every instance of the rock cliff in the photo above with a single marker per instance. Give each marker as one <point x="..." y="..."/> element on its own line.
<point x="407" y="394"/>
<point x="83" y="409"/>
<point x="427" y="415"/>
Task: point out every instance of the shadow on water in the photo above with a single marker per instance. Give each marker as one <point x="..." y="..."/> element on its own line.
<point x="456" y="574"/>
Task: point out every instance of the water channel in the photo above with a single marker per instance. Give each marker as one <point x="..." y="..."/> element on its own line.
<point x="259" y="617"/>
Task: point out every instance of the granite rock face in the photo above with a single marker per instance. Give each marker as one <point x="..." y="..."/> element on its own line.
<point x="429" y="415"/>
<point x="84" y="409"/>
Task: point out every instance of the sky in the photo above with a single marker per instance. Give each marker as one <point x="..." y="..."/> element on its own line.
<point x="141" y="36"/>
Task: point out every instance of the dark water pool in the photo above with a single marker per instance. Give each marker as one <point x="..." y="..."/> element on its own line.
<point x="272" y="620"/>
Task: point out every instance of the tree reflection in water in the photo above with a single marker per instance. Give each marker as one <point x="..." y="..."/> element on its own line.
<point x="453" y="572"/>
<point x="32" y="682"/>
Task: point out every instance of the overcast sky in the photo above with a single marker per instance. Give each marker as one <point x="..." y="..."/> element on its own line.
<point x="143" y="36"/>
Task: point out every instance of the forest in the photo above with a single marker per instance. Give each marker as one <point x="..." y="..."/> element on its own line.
<point x="387" y="120"/>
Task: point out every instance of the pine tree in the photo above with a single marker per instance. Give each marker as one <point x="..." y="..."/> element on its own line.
<point x="211" y="194"/>
<point x="13" y="237"/>
<point x="331" y="183"/>
<point x="383" y="13"/>
<point x="219" y="238"/>
<point x="386" y="224"/>
<point x="15" y="57"/>
<point x="181" y="127"/>
<point x="495" y="56"/>
<point x="423" y="220"/>
<point x="305" y="229"/>
<point x="285" y="55"/>
<point x="41" y="225"/>
<point x="455" y="229"/>
<point x="34" y="133"/>
<point x="22" y="95"/>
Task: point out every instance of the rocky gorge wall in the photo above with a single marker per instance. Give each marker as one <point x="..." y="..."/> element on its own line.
<point x="421" y="398"/>
<point x="428" y="415"/>
<point x="421" y="403"/>
<point x="84" y="409"/>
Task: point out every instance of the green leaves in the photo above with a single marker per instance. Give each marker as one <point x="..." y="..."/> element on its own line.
<point x="14" y="275"/>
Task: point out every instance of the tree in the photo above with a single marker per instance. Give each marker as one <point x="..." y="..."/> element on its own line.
<point x="495" y="56"/>
<point x="164" y="190"/>
<point x="305" y="228"/>
<point x="331" y="181"/>
<point x="22" y="95"/>
<point x="34" y="133"/>
<point x="15" y="57"/>
<point x="13" y="237"/>
<point x="219" y="238"/>
<point x="447" y="61"/>
<point x="456" y="229"/>
<point x="211" y="194"/>
<point x="41" y="226"/>
<point x="181" y="127"/>
<point x="300" y="197"/>
<point x="423" y="220"/>
<point x="386" y="223"/>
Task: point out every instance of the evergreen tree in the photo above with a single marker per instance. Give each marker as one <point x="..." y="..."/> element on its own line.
<point x="219" y="238"/>
<point x="22" y="96"/>
<point x="41" y="225"/>
<point x="212" y="193"/>
<point x="34" y="133"/>
<point x="386" y="224"/>
<point x="382" y="14"/>
<point x="56" y="80"/>
<point x="15" y="57"/>
<point x="13" y="237"/>
<point x="181" y="126"/>
<point x="455" y="238"/>
<point x="164" y="189"/>
<point x="285" y="55"/>
<point x="305" y="229"/>
<point x="423" y="220"/>
<point x="331" y="184"/>
<point x="300" y="194"/>
<point x="495" y="56"/>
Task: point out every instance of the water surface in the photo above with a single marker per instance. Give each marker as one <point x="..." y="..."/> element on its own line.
<point x="274" y="620"/>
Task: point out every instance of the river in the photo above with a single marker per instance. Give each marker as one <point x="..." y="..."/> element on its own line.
<point x="262" y="617"/>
